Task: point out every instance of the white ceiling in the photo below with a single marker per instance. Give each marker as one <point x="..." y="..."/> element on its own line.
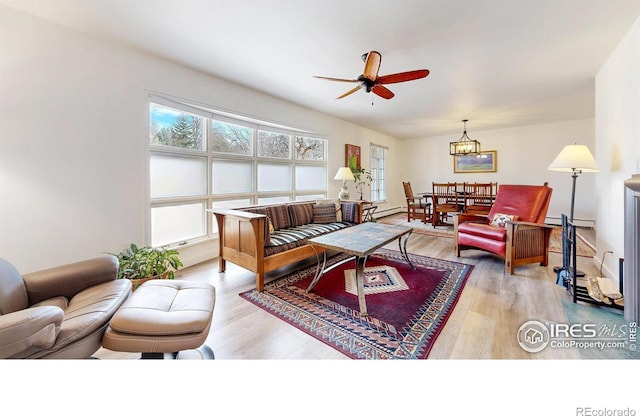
<point x="498" y="63"/>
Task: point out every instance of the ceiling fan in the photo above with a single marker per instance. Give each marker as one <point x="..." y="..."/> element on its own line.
<point x="371" y="82"/>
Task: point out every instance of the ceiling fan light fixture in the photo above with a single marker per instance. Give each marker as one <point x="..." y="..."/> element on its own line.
<point x="464" y="145"/>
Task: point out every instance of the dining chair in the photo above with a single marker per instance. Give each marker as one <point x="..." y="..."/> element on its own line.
<point x="445" y="199"/>
<point x="417" y="206"/>
<point x="479" y="197"/>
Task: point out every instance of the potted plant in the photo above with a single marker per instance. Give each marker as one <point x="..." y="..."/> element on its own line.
<point x="361" y="177"/>
<point x="140" y="264"/>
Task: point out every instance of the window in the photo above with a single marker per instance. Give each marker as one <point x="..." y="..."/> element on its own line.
<point x="200" y="159"/>
<point x="378" y="184"/>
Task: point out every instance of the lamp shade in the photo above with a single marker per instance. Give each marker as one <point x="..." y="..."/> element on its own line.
<point x="575" y="158"/>
<point x="344" y="174"/>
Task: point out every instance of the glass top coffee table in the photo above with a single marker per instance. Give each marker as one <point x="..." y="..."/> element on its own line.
<point x="360" y="241"/>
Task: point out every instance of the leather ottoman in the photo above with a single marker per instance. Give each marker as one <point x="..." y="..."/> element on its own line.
<point x="164" y="317"/>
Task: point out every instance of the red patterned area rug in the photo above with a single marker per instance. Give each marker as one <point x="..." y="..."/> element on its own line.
<point x="407" y="308"/>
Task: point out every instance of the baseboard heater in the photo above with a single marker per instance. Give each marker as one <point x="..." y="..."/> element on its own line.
<point x="632" y="249"/>
<point x="387" y="212"/>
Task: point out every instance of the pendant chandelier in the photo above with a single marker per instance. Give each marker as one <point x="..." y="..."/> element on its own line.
<point x="464" y="146"/>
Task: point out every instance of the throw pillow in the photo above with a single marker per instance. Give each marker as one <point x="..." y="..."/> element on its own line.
<point x="338" y="205"/>
<point x="279" y="215"/>
<point x="501" y="219"/>
<point x="301" y="213"/>
<point x="324" y="213"/>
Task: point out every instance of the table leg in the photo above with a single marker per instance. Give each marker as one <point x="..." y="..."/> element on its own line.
<point x="402" y="244"/>
<point x="360" y="261"/>
<point x="319" y="269"/>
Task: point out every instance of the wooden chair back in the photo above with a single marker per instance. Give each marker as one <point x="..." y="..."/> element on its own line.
<point x="445" y="199"/>
<point x="479" y="197"/>
<point x="408" y="192"/>
<point x="417" y="206"/>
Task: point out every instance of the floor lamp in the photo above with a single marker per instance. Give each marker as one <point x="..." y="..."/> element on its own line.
<point x="576" y="159"/>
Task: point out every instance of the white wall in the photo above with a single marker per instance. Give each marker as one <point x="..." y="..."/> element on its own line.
<point x="617" y="142"/>
<point x="524" y="154"/>
<point x="73" y="144"/>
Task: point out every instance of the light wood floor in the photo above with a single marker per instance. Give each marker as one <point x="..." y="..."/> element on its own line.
<point x="483" y="325"/>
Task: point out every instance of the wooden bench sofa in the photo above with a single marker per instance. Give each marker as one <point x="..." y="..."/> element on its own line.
<point x="265" y="238"/>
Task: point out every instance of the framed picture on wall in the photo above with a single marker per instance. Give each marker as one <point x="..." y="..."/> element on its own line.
<point x="352" y="156"/>
<point x="484" y="162"/>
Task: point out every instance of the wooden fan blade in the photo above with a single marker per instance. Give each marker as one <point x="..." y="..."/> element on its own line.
<point x="383" y="92"/>
<point x="372" y="65"/>
<point x="403" y="76"/>
<point x="337" y="79"/>
<point x="349" y="92"/>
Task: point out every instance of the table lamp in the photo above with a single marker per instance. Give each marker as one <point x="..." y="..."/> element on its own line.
<point x="344" y="174"/>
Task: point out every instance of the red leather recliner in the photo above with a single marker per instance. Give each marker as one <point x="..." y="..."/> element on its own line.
<point x="513" y="229"/>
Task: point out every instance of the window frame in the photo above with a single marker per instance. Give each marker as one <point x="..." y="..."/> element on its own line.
<point x="209" y="198"/>
<point x="378" y="172"/>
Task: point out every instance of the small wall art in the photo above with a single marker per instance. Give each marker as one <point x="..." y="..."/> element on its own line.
<point x="352" y="157"/>
<point x="484" y="162"/>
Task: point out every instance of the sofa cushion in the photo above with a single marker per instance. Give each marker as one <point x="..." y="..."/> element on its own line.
<point x="58" y="301"/>
<point x="495" y="246"/>
<point x="289" y="238"/>
<point x="337" y="203"/>
<point x="324" y="213"/>
<point x="91" y="310"/>
<point x="350" y="212"/>
<point x="301" y="213"/>
<point x="279" y="216"/>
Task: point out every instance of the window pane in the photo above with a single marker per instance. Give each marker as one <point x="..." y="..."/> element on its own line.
<point x="308" y="148"/>
<point x="174" y="224"/>
<point x="274" y="145"/>
<point x="177" y="175"/>
<point x="232" y="177"/>
<point x="310" y="197"/>
<point x="229" y="138"/>
<point x="230" y="204"/>
<point x="273" y="200"/>
<point x="311" y="177"/>
<point x="378" y="186"/>
<point x="233" y="203"/>
<point x="176" y="128"/>
<point x="272" y="177"/>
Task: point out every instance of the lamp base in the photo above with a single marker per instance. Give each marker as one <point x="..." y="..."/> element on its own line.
<point x="343" y="194"/>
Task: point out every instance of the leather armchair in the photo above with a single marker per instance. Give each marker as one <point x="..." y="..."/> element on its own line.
<point x="513" y="229"/>
<point x="61" y="312"/>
